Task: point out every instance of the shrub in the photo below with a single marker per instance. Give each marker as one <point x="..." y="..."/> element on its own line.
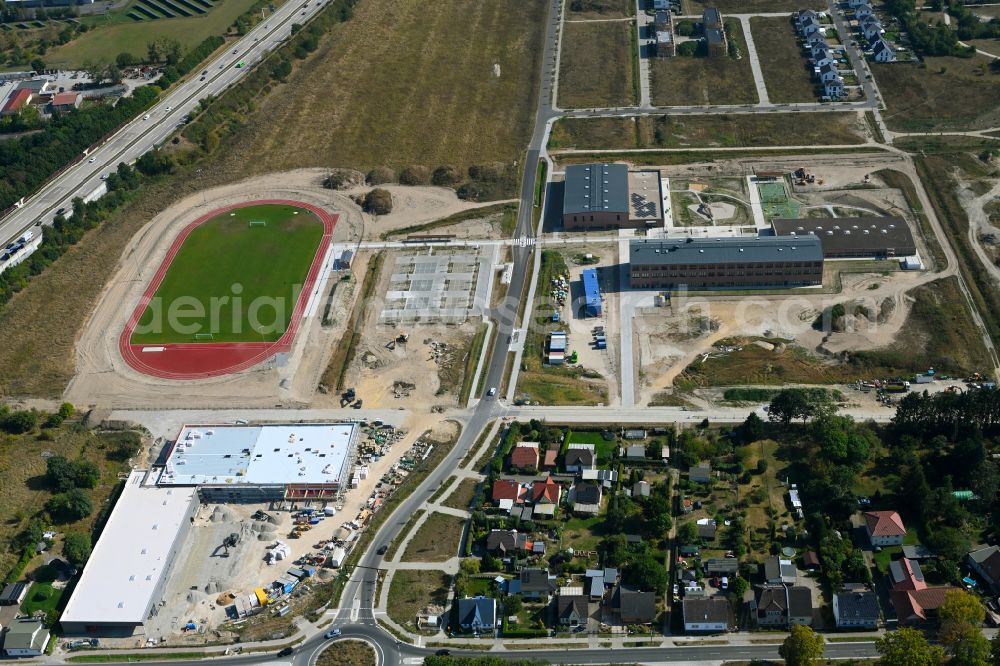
<point x="77" y="547"/>
<point x="20" y="422"/>
<point x="377" y="202"/>
<point x="446" y="176"/>
<point x="414" y="175"/>
<point x="380" y="175"/>
<point x="69" y="506"/>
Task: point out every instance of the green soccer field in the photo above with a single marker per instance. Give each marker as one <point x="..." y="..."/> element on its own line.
<point x="236" y="278"/>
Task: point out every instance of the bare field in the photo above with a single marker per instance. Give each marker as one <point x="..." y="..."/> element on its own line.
<point x="596" y="65"/>
<point x="687" y="81"/>
<point x="785" y="68"/>
<point x="922" y="98"/>
<point x="737" y="130"/>
<point x="404" y="83"/>
<point x="410" y="591"/>
<point x="598" y="9"/>
<point x="437" y="539"/>
<point x="750" y="6"/>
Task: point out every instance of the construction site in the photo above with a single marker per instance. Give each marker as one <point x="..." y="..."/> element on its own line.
<point x="209" y="568"/>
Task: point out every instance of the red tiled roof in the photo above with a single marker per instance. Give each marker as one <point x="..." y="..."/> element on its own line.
<point x="547" y="491"/>
<point x="63" y="98"/>
<point x="18" y="99"/>
<point x="505" y="489"/>
<point x="524" y="456"/>
<point x="910" y="581"/>
<point x="884" y="523"/>
<point x="914" y="605"/>
<point x="551" y="457"/>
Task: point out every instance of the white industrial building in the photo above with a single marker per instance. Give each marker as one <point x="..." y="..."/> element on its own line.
<point x="234" y="463"/>
<point x="126" y="573"/>
<point x="128" y="570"/>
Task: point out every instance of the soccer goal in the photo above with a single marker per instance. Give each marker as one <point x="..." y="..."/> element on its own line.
<point x="258" y="223"/>
<point x="204" y="336"/>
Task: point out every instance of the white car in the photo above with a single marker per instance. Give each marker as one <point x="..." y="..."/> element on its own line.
<point x="492" y="392"/>
<point x="104" y="176"/>
<point x="146" y="117"/>
<point x="170" y="108"/>
<point x="92" y="160"/>
<point x="333" y="633"/>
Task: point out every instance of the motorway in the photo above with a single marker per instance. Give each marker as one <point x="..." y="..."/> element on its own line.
<point x="152" y="129"/>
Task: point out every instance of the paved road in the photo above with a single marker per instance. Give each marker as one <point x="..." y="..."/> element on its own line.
<point x="141" y="134"/>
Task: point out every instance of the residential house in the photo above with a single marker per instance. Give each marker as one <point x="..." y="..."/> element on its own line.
<point x="477" y="614"/>
<point x="985" y="562"/>
<point x="506" y="542"/>
<point x="863" y="10"/>
<point x="715" y="40"/>
<point x="722" y="566"/>
<point x="587" y="499"/>
<point x="855" y="609"/>
<point x="507" y="490"/>
<point x="66" y="101"/>
<point x="711" y="17"/>
<point x="884" y="528"/>
<point x="834" y="89"/>
<point x="545" y="494"/>
<point x="828" y="72"/>
<point x="871" y="28"/>
<point x="882" y="51"/>
<point x="920" y="606"/>
<point x="25" y="638"/>
<point x="688" y="550"/>
<point x="853" y="4"/>
<point x="606" y="477"/>
<point x="779" y="571"/>
<point x="579" y="457"/>
<point x="634" y="606"/>
<point x="815" y="39"/>
<point x="917" y="551"/>
<point x="572" y="611"/>
<point x="640" y="489"/>
<point x="661" y="5"/>
<point x="800" y="605"/>
<point x="661" y="20"/>
<point x="551" y="459"/>
<point x="536" y="583"/>
<point x="525" y="457"/>
<point x="635" y="452"/>
<point x="821" y="57"/>
<point x="635" y="433"/>
<point x="701" y="473"/>
<point x="905" y="574"/>
<point x="706" y="615"/>
<point x="706" y="528"/>
<point x="807" y="22"/>
<point x="14" y="593"/>
<point x="769" y="606"/>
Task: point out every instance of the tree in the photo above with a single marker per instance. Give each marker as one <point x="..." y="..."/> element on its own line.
<point x="995" y="651"/>
<point x="687" y="533"/>
<point x="20" y="422"/>
<point x="907" y="647"/>
<point x="126" y="59"/>
<point x="972" y="650"/>
<point x="377" y="202"/>
<point x="647" y="573"/>
<point x="513" y="604"/>
<point x="791" y="404"/>
<point x="960" y="615"/>
<point x="752" y="429"/>
<point x="76" y="547"/>
<point x="740" y="586"/>
<point x="38" y="65"/>
<point x="803" y="647"/>
<point x="70" y="506"/>
<point x="63" y="474"/>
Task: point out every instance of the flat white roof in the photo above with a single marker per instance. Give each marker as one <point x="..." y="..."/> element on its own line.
<point x="311" y="453"/>
<point x="134" y="550"/>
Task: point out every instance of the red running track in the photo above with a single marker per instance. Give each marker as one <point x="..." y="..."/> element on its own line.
<point x="196" y="360"/>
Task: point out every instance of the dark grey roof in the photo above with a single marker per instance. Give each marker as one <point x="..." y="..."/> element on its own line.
<point x="722" y="565"/>
<point x="566" y="605"/>
<point x="917" y="552"/>
<point x="898" y="573"/>
<point x="537" y="580"/>
<point x="706" y="609"/>
<point x="576" y="457"/>
<point x="588" y="493"/>
<point x="852" y="233"/>
<point x="596" y="188"/>
<point x="739" y="250"/>
<point x="800" y="601"/>
<point x="635" y="604"/>
<point x="711" y="17"/>
<point x="771" y="597"/>
<point x="12" y="593"/>
<point x="505" y="540"/>
<point x="713" y="36"/>
<point x="482" y="608"/>
<point x="857" y="605"/>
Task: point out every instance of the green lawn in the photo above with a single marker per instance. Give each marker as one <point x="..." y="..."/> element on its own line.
<point x="103" y="43"/>
<point x="225" y="256"/>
